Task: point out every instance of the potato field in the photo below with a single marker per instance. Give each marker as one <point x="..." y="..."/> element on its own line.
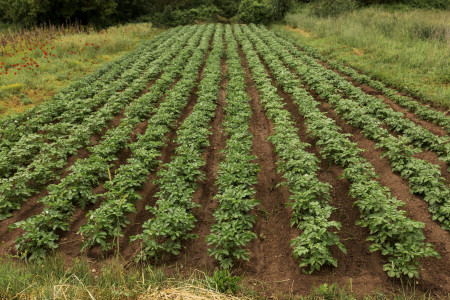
<point x="231" y="146"/>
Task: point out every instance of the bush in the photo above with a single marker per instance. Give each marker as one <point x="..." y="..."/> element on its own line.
<point x="326" y="8"/>
<point x="255" y="11"/>
<point x="174" y="17"/>
<point x="229" y="8"/>
<point x="280" y="8"/>
<point x="99" y="12"/>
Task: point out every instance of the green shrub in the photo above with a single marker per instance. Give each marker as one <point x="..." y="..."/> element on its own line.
<point x="326" y="8"/>
<point x="280" y="8"/>
<point x="98" y="12"/>
<point x="255" y="11"/>
<point x="175" y="17"/>
<point x="229" y="8"/>
<point x="223" y="281"/>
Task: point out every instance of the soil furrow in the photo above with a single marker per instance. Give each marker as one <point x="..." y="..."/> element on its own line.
<point x="359" y="264"/>
<point x="195" y="255"/>
<point x="428" y="156"/>
<point x="127" y="250"/>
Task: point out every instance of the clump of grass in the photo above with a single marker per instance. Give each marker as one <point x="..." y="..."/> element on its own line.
<point x="37" y="62"/>
<point x="408" y="49"/>
<point x="53" y="279"/>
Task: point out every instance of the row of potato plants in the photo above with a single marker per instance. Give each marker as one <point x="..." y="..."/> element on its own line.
<point x="177" y="180"/>
<point x="237" y="173"/>
<point x="419" y="136"/>
<point x="23" y="151"/>
<point x="424" y="111"/>
<point x="392" y="233"/>
<point x="15" y="126"/>
<point x="106" y="223"/>
<point x="310" y="198"/>
<point x="424" y="177"/>
<point x="45" y="166"/>
<point x="41" y="232"/>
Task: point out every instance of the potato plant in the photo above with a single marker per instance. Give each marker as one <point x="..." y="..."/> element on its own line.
<point x="310" y="197"/>
<point x="424" y="177"/>
<point x="173" y="217"/>
<point x="237" y="173"/>
<point x="76" y="188"/>
<point x="392" y="233"/>
<point x="107" y="222"/>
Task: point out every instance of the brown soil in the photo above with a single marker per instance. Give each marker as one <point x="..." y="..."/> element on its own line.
<point x="435" y="277"/>
<point x="195" y="255"/>
<point x="360" y="266"/>
<point x="271" y="269"/>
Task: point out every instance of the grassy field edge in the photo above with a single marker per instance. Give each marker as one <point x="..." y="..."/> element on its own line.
<point x="407" y="50"/>
<point x="56" y="278"/>
<point x="37" y="63"/>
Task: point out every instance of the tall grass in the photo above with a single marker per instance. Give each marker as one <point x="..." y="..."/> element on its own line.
<point x="55" y="279"/>
<point x="408" y="49"/>
<point x="37" y="62"/>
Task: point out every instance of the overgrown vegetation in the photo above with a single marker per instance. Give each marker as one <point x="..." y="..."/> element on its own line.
<point x="99" y="12"/>
<point x="35" y="63"/>
<point x="55" y="279"/>
<point x="247" y="11"/>
<point x="407" y="49"/>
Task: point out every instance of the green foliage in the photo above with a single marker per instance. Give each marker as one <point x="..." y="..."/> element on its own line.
<point x="177" y="179"/>
<point x="405" y="4"/>
<point x="255" y="11"/>
<point x="99" y="12"/>
<point x="248" y="11"/>
<point x="174" y="17"/>
<point x="310" y="208"/>
<point x="326" y="8"/>
<point x="223" y="281"/>
<point x="391" y="231"/>
<point x="76" y="188"/>
<point x="229" y="8"/>
<point x="23" y="11"/>
<point x="107" y="221"/>
<point x="368" y="113"/>
<point x="232" y="230"/>
<point x="280" y="8"/>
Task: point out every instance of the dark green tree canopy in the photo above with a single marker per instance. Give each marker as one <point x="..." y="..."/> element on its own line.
<point x="99" y="12"/>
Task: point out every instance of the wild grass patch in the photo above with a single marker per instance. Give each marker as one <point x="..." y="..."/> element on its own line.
<point x="408" y="49"/>
<point x="38" y="62"/>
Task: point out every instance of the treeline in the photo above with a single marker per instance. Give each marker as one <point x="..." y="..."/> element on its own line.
<point x="162" y="12"/>
<point x="172" y="12"/>
<point x="95" y="12"/>
<point x="167" y="12"/>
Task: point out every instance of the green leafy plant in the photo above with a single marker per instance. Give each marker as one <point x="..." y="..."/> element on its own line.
<point x="369" y="113"/>
<point x="107" y="221"/>
<point x="391" y="231"/>
<point x="232" y="230"/>
<point x="76" y="188"/>
<point x="177" y="181"/>
<point x="255" y="11"/>
<point x="310" y="197"/>
<point x="223" y="281"/>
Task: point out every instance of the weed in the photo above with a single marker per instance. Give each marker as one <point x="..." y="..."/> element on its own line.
<point x="223" y="281"/>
